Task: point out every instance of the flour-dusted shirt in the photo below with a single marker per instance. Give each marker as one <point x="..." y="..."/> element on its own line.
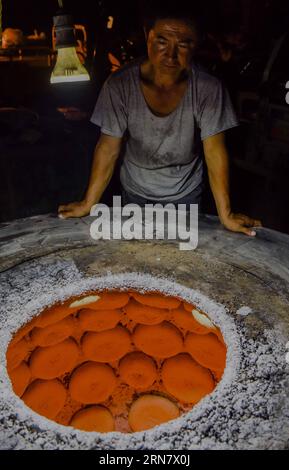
<point x="162" y="158"/>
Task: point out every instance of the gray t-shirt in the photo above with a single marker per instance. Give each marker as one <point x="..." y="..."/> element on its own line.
<point x="162" y="158"/>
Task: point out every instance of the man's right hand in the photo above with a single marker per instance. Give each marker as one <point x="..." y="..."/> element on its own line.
<point x="74" y="209"/>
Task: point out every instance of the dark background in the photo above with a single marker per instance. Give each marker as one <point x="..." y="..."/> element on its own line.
<point x="255" y="16"/>
<point x="45" y="158"/>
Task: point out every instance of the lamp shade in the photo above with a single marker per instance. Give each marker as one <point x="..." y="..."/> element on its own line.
<point x="68" y="67"/>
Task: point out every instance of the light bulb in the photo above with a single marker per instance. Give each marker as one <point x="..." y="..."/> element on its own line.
<point x="68" y="67"/>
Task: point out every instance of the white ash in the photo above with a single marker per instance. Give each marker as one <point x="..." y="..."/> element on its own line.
<point x="244" y="311"/>
<point x="249" y="409"/>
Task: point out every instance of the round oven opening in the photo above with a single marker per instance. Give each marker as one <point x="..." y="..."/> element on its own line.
<point x="116" y="360"/>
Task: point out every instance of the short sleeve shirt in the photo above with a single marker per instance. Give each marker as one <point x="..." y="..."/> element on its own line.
<point x="162" y="157"/>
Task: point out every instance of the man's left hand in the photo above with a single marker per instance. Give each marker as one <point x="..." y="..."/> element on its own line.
<point x="241" y="223"/>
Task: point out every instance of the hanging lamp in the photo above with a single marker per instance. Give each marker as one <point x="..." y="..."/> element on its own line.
<point x="68" y="67"/>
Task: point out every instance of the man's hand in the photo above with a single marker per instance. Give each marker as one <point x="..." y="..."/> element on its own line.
<point x="241" y="223"/>
<point x="74" y="209"/>
<point x="217" y="160"/>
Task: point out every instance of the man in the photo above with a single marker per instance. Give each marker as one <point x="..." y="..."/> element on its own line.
<point x="161" y="108"/>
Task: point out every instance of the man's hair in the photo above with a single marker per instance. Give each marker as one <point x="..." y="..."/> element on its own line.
<point x="156" y="10"/>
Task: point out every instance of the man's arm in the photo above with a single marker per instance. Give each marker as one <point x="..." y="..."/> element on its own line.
<point x="217" y="161"/>
<point x="104" y="159"/>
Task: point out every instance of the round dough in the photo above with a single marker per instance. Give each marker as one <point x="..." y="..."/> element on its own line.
<point x="106" y="346"/>
<point x="92" y="383"/>
<point x="16" y="353"/>
<point x="23" y="331"/>
<point x="54" y="314"/>
<point x="158" y="300"/>
<point x="46" y="397"/>
<point x="98" y="320"/>
<point x="52" y="361"/>
<point x="111" y="300"/>
<point x="207" y="350"/>
<point x="161" y="341"/>
<point x="144" y="314"/>
<point x="184" y="319"/>
<point x="138" y="370"/>
<point x="53" y="334"/>
<point x="20" y="378"/>
<point x="94" y="418"/>
<point x="185" y="379"/>
<point x="151" y="410"/>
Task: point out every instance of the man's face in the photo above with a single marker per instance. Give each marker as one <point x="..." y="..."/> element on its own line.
<point x="170" y="46"/>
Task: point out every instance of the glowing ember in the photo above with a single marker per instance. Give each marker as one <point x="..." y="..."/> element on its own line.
<point x="116" y="361"/>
